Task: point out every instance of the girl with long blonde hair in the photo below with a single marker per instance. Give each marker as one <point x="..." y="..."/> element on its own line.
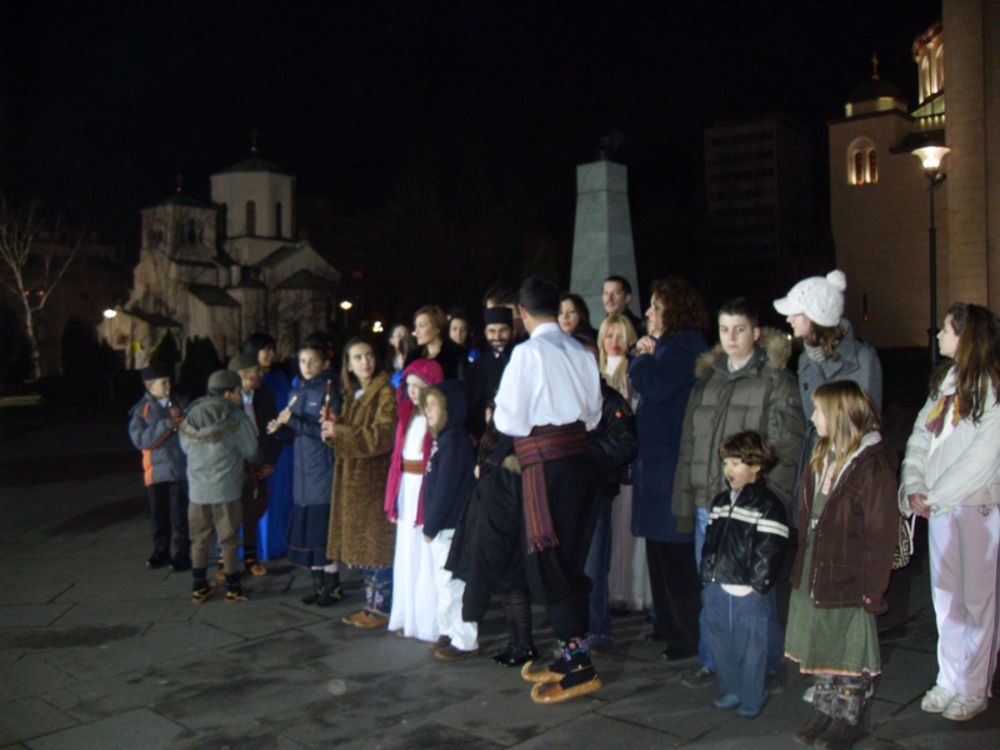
<point x="848" y="528"/>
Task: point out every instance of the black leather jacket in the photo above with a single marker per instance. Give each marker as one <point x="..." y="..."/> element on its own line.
<point x="745" y="542"/>
<point x="614" y="442"/>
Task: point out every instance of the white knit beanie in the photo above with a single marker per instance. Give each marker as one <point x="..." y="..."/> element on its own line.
<point x="819" y="298"/>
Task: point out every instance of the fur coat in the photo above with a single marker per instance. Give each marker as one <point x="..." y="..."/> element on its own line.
<point x="359" y="532"/>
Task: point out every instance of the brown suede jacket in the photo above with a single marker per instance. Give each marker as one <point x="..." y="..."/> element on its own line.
<point x="856" y="533"/>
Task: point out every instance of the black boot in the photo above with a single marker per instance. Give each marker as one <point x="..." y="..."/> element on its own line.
<point x="317" y="588"/>
<point x="331" y="593"/>
<point x="234" y="589"/>
<point x="200" y="590"/>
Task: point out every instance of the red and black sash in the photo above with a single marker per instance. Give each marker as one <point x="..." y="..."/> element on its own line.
<point x="547" y="443"/>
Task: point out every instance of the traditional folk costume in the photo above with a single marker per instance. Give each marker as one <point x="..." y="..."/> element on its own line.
<point x="414" y="599"/>
<point x="549" y="397"/>
<point x="273" y="527"/>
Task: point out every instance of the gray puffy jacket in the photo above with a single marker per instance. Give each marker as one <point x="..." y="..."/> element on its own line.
<point x="218" y="437"/>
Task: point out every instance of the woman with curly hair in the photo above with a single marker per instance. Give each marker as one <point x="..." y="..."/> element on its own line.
<point x="662" y="373"/>
<point x="950" y="477"/>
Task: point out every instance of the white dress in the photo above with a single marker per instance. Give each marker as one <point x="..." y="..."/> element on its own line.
<point x="414" y="597"/>
<point x="628" y="577"/>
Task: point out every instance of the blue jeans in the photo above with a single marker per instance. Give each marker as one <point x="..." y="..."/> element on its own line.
<point x="736" y="630"/>
<point x="597" y="567"/>
<point x="775" y="635"/>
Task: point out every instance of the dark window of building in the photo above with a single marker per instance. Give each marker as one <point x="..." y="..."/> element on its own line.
<point x="251" y="218"/>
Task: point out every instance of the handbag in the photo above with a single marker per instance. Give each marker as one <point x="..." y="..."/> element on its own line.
<point x="904" y="542"/>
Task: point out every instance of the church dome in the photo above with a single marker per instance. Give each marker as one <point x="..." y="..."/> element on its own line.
<point x="877" y="88"/>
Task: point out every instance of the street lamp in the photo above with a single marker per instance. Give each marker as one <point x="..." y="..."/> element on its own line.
<point x="930" y="157"/>
<point x="346" y="305"/>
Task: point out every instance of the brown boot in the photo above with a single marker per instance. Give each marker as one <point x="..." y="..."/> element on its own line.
<point x="840" y="735"/>
<point x="813" y="728"/>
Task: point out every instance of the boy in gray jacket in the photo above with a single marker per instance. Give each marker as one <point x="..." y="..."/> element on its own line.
<point x="218" y="438"/>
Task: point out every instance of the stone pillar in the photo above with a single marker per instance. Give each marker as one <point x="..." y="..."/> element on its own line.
<point x="602" y="236"/>
<point x="972" y="86"/>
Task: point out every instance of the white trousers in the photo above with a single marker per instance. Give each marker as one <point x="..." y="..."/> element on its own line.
<point x="464" y="635"/>
<point x="963" y="550"/>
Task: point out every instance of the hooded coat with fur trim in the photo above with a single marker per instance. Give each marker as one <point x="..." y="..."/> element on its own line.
<point x="449" y="474"/>
<point x="430" y="372"/>
<point x="362" y="442"/>
<point x="217" y="437"/>
<point x="762" y="395"/>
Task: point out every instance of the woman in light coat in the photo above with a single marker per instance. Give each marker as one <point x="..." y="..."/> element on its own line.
<point x="950" y="477"/>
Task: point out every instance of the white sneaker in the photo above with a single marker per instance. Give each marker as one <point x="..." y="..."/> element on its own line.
<point x="936" y="699"/>
<point x="963" y="707"/>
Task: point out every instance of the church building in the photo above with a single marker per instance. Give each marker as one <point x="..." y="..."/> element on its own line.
<point x="225" y="269"/>
<point x="880" y="194"/>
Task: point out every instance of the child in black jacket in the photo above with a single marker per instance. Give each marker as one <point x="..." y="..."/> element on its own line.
<point x="448" y="480"/>
<point x="744" y="545"/>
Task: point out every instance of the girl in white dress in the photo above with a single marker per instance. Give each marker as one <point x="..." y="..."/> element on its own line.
<point x="414" y="599"/>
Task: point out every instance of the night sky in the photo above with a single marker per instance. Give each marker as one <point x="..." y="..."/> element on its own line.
<point x="102" y="106"/>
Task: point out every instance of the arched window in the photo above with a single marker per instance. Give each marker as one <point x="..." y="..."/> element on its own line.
<point x="862" y="162"/>
<point x="251" y="219"/>
<point x="277" y="219"/>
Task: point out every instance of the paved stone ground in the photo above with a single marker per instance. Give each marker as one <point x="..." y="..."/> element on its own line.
<point x="97" y="652"/>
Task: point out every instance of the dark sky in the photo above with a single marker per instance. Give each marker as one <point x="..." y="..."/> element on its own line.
<point x="102" y="106"/>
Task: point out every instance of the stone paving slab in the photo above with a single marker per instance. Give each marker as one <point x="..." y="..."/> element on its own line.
<point x="22" y="718"/>
<point x="136" y="729"/>
<point x="507" y="716"/>
<point x="31" y="615"/>
<point x="30" y="675"/>
<point x="96" y="651"/>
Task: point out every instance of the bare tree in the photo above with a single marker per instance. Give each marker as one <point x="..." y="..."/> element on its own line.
<point x="33" y="262"/>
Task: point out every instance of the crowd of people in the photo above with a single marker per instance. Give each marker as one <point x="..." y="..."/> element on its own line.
<point x="628" y="468"/>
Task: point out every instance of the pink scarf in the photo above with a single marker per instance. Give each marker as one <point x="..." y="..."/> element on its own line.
<point x="429" y="371"/>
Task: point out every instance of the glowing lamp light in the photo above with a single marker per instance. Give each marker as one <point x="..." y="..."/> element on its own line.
<point x="346" y="305"/>
<point x="377" y="327"/>
<point x="109" y="313"/>
<point x="931" y="156"/>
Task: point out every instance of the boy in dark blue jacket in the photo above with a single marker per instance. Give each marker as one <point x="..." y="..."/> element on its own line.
<point x="745" y="542"/>
<point x="448" y="480"/>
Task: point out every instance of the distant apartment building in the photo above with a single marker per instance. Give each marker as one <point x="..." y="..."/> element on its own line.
<point x="758" y="195"/>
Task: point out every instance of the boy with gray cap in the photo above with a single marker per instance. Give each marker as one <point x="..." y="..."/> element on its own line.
<point x="218" y="437"/>
<point x="258" y="403"/>
<point x="152" y="427"/>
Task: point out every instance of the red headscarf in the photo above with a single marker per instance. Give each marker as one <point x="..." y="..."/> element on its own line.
<point x="429" y="371"/>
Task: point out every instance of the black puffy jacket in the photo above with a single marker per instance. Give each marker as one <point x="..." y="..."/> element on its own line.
<point x="745" y="541"/>
<point x="614" y="443"/>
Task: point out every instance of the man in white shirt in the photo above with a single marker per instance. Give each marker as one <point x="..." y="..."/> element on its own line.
<point x="549" y="397"/>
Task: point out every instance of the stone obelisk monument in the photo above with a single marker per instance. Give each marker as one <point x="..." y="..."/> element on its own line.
<point x="602" y="237"/>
